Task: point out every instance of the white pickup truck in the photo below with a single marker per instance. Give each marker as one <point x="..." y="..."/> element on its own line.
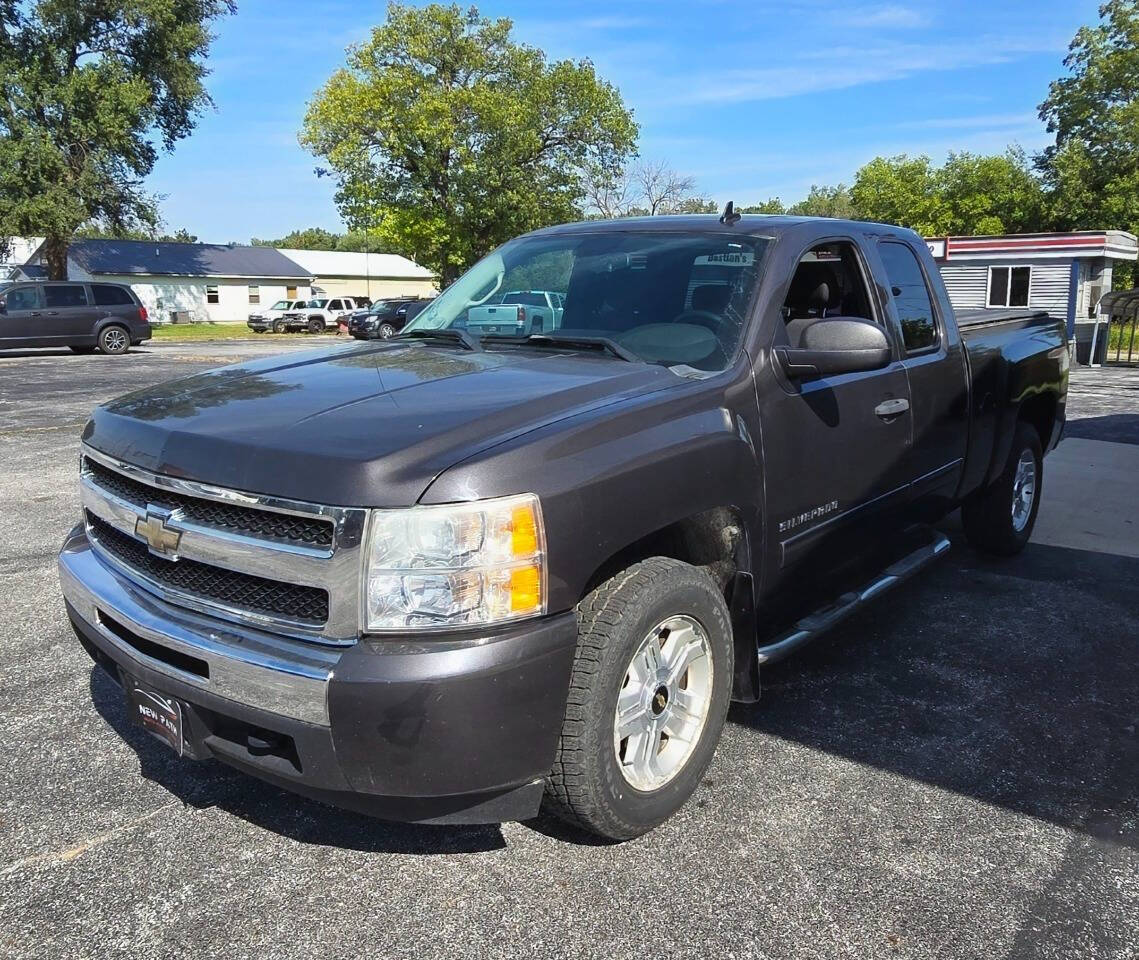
<point x="323" y="313"/>
<point x="519" y="312"/>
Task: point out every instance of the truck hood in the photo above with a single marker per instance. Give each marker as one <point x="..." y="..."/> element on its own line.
<point x="365" y="426"/>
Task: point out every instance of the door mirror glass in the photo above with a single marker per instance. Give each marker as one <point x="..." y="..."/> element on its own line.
<point x="3" y="305"/>
<point x="834" y="345"/>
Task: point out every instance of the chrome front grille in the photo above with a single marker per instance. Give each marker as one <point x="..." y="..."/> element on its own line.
<point x="284" y="565"/>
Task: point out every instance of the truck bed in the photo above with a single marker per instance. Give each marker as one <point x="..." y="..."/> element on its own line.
<point x="984" y="317"/>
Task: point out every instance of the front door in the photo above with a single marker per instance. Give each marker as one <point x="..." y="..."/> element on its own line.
<point x="835" y="447"/>
<point x="20" y="324"/>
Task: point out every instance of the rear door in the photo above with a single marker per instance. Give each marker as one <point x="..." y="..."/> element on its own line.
<point x="68" y="315"/>
<point x="933" y="357"/>
<point x="20" y="324"/>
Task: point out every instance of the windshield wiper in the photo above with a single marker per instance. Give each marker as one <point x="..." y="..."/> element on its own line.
<point x="460" y="337"/>
<point x="569" y="340"/>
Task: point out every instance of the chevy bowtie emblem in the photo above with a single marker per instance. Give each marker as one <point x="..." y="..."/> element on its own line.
<point x="161" y="539"/>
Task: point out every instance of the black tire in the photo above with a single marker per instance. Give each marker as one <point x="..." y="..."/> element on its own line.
<point x="386" y="331"/>
<point x="315" y="325"/>
<point x="988" y="516"/>
<point x="586" y="786"/>
<point x="279" y="326"/>
<point x="82" y="349"/>
<point x="114" y="340"/>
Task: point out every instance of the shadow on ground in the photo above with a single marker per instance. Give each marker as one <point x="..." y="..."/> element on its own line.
<point x="1015" y="682"/>
<point x="1115" y="428"/>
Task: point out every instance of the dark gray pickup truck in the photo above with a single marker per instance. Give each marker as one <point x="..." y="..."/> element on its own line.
<point x="448" y="576"/>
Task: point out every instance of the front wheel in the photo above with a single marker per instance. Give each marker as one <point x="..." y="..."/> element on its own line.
<point x="648" y="697"/>
<point x="315" y="325"/>
<point x="279" y="326"/>
<point x="1000" y="518"/>
<point x="386" y="331"/>
<point x="114" y="340"/>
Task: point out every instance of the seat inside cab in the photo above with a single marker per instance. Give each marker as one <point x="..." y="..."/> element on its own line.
<point x="828" y="282"/>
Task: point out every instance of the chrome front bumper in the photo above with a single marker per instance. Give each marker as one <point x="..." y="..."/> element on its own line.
<point x="250" y="667"/>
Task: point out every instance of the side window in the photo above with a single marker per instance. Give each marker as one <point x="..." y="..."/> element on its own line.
<point x="108" y="296"/>
<point x="828" y="282"/>
<point x="1009" y="286"/>
<point x="23" y="298"/>
<point x="911" y="296"/>
<point x="335" y="305"/>
<point x="65" y="295"/>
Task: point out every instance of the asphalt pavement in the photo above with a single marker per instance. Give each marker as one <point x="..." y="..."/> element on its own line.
<point x="955" y="773"/>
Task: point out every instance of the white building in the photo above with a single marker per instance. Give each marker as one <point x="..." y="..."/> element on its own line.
<point x="1062" y="273"/>
<point x="20" y="249"/>
<point x="372" y="275"/>
<point x="220" y="283"/>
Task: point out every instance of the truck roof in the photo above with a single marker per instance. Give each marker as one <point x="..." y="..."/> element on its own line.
<point x="749" y="224"/>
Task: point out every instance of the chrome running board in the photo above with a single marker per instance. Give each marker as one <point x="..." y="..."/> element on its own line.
<point x="829" y="616"/>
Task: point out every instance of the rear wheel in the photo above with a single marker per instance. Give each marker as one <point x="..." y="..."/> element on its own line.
<point x="114" y="340"/>
<point x="648" y="697"/>
<point x="1000" y="518"/>
<point x="315" y="325"/>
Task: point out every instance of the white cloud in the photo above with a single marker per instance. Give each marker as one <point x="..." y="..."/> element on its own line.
<point x="888" y="16"/>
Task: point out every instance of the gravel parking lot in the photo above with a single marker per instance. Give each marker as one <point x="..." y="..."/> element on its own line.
<point x="954" y="774"/>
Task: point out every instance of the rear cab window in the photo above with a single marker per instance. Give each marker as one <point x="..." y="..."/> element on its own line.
<point x="911" y="297"/>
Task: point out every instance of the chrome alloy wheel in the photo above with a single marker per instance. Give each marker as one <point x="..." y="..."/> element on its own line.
<point x="115" y="340"/>
<point x="663" y="703"/>
<point x="1023" y="490"/>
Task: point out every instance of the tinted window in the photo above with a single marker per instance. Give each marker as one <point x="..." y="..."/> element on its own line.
<point x="108" y="296"/>
<point x="23" y="298"/>
<point x="911" y="296"/>
<point x="526" y="299"/>
<point x="69" y="295"/>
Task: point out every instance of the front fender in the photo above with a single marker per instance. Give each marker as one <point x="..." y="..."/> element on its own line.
<point x="610" y="477"/>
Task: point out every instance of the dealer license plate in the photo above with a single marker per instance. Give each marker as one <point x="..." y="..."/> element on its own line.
<point x="156" y="713"/>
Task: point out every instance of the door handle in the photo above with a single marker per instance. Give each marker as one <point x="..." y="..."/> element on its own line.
<point x="891" y="408"/>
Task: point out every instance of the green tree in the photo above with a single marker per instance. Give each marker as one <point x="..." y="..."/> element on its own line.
<point x="447" y="137"/>
<point x="1092" y="170"/>
<point x="96" y="231"/>
<point x="90" y="90"/>
<point x="311" y="238"/>
<point x="825" y="202"/>
<point x="987" y="195"/>
<point x="902" y="190"/>
<point x="773" y="205"/>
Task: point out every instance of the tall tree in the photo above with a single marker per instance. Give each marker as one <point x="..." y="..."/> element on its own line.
<point x="661" y="188"/>
<point x="310" y="238"/>
<point x="446" y="137"/>
<point x="771" y="205"/>
<point x="89" y="92"/>
<point x="825" y="202"/>
<point x="902" y="190"/>
<point x="995" y="194"/>
<point x="1092" y="170"/>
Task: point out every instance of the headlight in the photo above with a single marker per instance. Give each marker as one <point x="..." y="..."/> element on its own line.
<point x="453" y="565"/>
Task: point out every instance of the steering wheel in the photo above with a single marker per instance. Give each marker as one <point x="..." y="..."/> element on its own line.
<point x="705" y="318"/>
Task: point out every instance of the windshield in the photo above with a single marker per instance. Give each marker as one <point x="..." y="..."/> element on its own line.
<point x="281" y="305"/>
<point x="671" y="298"/>
<point x="381" y="306"/>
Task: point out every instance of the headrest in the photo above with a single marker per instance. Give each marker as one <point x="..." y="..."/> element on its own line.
<point x="711" y="297"/>
<point x="814" y="285"/>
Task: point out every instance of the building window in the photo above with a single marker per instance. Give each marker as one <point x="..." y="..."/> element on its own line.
<point x="254" y="293"/>
<point x="290" y="293"/>
<point x="1008" y="286"/>
<point x="211" y="293"/>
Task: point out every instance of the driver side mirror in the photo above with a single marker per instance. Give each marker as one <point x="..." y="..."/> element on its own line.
<point x="835" y="345"/>
<point x="3" y="305"/>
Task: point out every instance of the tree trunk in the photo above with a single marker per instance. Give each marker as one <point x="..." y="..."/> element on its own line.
<point x="55" y="257"/>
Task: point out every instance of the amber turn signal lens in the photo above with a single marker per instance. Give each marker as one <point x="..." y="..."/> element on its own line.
<point x="523" y="531"/>
<point x="525" y="589"/>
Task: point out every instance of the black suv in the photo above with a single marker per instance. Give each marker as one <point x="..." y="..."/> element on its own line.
<point x="82" y="316"/>
<point x="385" y="318"/>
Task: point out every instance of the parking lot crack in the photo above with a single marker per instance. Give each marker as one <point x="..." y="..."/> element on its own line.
<point x="91" y="843"/>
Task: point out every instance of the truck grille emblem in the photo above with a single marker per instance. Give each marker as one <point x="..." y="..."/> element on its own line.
<point x="161" y="539"/>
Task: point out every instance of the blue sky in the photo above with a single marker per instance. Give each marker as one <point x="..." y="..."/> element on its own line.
<point x="753" y="99"/>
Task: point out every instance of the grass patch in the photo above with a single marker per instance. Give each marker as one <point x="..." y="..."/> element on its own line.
<point x="186" y="332"/>
<point x="1121" y="335"/>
